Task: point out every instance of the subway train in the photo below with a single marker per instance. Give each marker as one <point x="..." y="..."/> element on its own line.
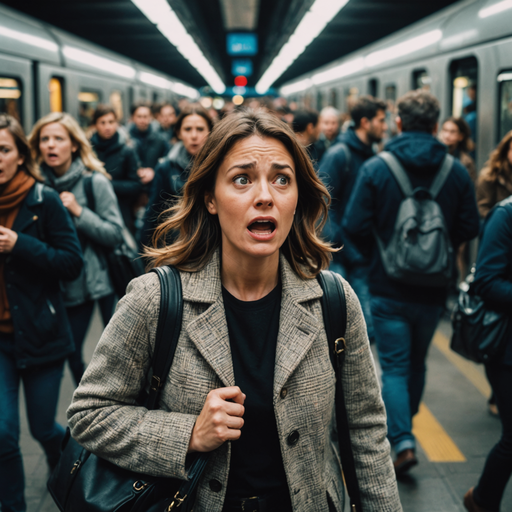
<point x="462" y="54"/>
<point x="44" y="69"/>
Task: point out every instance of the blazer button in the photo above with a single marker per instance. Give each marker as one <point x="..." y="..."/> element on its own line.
<point x="215" y="485"/>
<point x="293" y="438"/>
<point x="283" y="393"/>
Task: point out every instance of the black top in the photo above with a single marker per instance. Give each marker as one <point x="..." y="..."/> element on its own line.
<point x="256" y="464"/>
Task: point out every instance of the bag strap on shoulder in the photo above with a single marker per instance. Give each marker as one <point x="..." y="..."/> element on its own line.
<point x="89" y="192"/>
<point x="398" y="172"/>
<point x="441" y="175"/>
<point x="168" y="330"/>
<point x="334" y="309"/>
<point x="348" y="156"/>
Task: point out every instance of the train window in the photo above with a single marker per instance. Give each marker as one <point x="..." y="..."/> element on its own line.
<point x="390" y="98"/>
<point x="10" y="97"/>
<point x="351" y="95"/>
<point x="373" y="87"/>
<point x="464" y="79"/>
<point x="505" y="81"/>
<point x="55" y="88"/>
<point x="421" y="79"/>
<point x="319" y="100"/>
<point x="116" y="100"/>
<point x="333" y="98"/>
<point x="87" y="102"/>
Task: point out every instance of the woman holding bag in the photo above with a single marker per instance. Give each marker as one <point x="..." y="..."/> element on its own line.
<point x="67" y="160"/>
<point x="251" y="382"/>
<point x="38" y="248"/>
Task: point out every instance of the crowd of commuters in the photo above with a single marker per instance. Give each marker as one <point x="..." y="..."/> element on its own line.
<point x="235" y="200"/>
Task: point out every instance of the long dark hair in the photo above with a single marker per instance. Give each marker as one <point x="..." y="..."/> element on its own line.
<point x="197" y="233"/>
<point x="189" y="110"/>
<point x="466" y="144"/>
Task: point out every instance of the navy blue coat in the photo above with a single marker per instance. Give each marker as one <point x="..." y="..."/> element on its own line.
<point x="376" y="199"/>
<point x="46" y="252"/>
<point x="340" y="181"/>
<point x="493" y="277"/>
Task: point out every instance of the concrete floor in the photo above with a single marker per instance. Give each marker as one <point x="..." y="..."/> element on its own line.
<point x="453" y="399"/>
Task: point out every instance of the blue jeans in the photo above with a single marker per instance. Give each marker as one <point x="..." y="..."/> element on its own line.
<point x="42" y="386"/>
<point x="403" y="332"/>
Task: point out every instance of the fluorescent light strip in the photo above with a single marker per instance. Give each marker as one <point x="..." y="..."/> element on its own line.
<point x="345" y="69"/>
<point x="311" y="25"/>
<point x="185" y="90"/>
<point x="504" y="77"/>
<point x="505" y="5"/>
<point x="160" y="13"/>
<point x="95" y="61"/>
<point x="157" y="81"/>
<point x="27" y="38"/>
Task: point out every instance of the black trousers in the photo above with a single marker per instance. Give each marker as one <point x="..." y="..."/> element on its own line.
<point x="498" y="467"/>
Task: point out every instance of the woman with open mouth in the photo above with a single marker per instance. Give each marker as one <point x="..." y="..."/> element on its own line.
<point x="251" y="381"/>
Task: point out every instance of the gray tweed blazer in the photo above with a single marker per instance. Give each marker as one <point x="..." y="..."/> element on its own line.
<point x="105" y="419"/>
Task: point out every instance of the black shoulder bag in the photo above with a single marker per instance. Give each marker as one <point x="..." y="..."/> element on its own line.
<point x="83" y="482"/>
<point x="123" y="261"/>
<point x="334" y="308"/>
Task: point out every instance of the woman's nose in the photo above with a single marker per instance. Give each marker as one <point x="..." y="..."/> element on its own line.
<point x="263" y="195"/>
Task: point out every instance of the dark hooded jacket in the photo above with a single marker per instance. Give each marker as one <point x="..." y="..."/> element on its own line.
<point x="121" y="162"/>
<point x="170" y="177"/>
<point x="376" y="199"/>
<point x="150" y="145"/>
<point x="339" y="179"/>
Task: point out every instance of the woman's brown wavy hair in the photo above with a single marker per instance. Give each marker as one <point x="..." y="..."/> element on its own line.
<point x="498" y="163"/>
<point x="197" y="233"/>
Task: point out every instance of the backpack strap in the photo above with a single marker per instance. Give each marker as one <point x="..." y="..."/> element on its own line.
<point x="398" y="172"/>
<point x="168" y="330"/>
<point x="441" y="175"/>
<point x="334" y="309"/>
<point x="89" y="192"/>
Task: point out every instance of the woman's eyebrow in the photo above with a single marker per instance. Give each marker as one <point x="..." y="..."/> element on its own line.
<point x="280" y="167"/>
<point x="251" y="165"/>
<point x="248" y="165"/>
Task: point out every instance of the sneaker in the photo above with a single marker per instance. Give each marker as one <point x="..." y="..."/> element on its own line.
<point x="470" y="504"/>
<point x="405" y="460"/>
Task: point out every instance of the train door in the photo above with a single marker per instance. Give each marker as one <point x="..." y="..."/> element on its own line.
<point x="16" y="96"/>
<point x="464" y="82"/>
<point x="56" y="93"/>
<point x="333" y="98"/>
<point x="505" y="103"/>
<point x="421" y="79"/>
<point x="88" y="100"/>
<point x="116" y="101"/>
<point x="373" y="87"/>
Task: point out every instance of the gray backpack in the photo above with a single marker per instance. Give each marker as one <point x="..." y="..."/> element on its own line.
<point x="420" y="251"/>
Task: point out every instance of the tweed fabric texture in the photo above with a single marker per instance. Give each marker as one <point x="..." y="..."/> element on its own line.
<point x="105" y="419"/>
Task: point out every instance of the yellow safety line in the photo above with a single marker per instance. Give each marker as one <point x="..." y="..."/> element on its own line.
<point x="467" y="368"/>
<point x="436" y="443"/>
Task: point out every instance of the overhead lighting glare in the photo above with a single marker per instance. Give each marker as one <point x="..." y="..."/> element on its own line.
<point x="405" y="48"/>
<point x="28" y="39"/>
<point x="91" y="59"/>
<point x="302" y="85"/>
<point x="504" y="77"/>
<point x="505" y="5"/>
<point x="345" y="69"/>
<point x="157" y="81"/>
<point x="160" y="13"/>
<point x="311" y="25"/>
<point x="185" y="90"/>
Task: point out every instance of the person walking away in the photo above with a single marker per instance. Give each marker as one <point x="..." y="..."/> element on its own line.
<point x="306" y="129"/>
<point x="119" y="157"/>
<point x="251" y="380"/>
<point x="39" y="247"/>
<point x="67" y="161"/>
<point x="405" y="315"/>
<point x="192" y="128"/>
<point x="329" y="125"/>
<point x="493" y="283"/>
<point x="339" y="169"/>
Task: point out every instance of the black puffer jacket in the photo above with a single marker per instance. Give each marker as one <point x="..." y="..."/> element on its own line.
<point x="170" y="178"/>
<point x="121" y="162"/>
<point x="47" y="251"/>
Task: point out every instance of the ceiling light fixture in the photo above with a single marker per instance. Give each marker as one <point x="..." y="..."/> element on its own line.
<point x="95" y="61"/>
<point x="311" y="25"/>
<point x="505" y="5"/>
<point x="345" y="69"/>
<point x="160" y="13"/>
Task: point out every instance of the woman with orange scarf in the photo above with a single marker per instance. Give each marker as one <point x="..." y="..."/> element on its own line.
<point x="38" y="248"/>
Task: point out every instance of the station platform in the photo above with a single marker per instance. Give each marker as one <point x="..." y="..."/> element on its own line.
<point x="454" y="430"/>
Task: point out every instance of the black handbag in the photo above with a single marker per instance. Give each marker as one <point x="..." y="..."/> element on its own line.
<point x="83" y="482"/>
<point x="334" y="309"/>
<point x="123" y="261"/>
<point x="479" y="333"/>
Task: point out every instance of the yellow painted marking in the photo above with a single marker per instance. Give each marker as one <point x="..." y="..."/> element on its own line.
<point x="469" y="369"/>
<point x="436" y="443"/>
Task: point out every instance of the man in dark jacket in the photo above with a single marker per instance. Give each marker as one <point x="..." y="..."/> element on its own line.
<point x="405" y="316"/>
<point x="305" y="127"/>
<point x="338" y="169"/>
<point x="120" y="159"/>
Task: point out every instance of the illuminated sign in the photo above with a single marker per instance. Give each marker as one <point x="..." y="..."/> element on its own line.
<point x="241" y="67"/>
<point x="242" y="44"/>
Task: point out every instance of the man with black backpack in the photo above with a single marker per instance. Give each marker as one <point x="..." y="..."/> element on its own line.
<point x="411" y="207"/>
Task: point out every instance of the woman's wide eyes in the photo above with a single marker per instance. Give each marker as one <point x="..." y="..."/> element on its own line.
<point x="241" y="180"/>
<point x="282" y="180"/>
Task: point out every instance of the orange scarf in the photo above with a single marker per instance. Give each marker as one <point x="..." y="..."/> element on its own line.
<point x="11" y="199"/>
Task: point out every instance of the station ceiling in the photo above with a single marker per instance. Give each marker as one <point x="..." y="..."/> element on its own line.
<point x="120" y="26"/>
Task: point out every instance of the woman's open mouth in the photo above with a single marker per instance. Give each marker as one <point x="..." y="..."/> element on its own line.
<point x="262" y="229"/>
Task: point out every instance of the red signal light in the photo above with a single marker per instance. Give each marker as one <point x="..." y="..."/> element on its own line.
<point x="240" y="81"/>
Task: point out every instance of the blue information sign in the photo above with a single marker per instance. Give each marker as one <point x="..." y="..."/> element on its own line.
<point x="242" y="44"/>
<point x="241" y="67"/>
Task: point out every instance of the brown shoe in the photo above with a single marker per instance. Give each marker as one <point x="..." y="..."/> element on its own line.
<point x="405" y="460"/>
<point x="470" y="504"/>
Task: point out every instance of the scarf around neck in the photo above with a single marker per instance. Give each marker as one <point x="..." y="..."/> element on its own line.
<point x="68" y="180"/>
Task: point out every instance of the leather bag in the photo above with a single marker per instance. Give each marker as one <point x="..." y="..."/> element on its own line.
<point x="84" y="482"/>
